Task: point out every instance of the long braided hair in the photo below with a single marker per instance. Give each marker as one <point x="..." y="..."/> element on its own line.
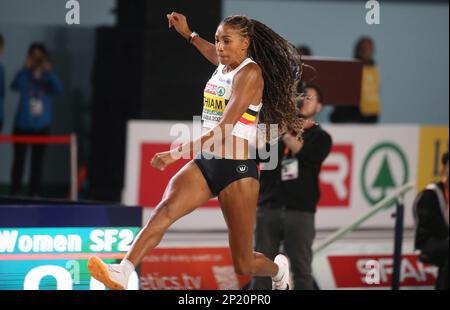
<point x="281" y="67"/>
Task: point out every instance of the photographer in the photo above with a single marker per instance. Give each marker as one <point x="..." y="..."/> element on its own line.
<point x="36" y="84"/>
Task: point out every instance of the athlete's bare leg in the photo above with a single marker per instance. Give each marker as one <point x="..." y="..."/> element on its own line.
<point x="238" y="201"/>
<point x="186" y="191"/>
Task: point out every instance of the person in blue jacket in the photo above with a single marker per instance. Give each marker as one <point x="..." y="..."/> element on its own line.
<point x="36" y="83"/>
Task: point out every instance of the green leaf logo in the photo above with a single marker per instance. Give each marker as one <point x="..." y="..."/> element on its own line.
<point x="384" y="168"/>
<point x="221" y="91"/>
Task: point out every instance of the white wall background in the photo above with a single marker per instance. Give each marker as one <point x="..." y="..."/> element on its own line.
<point x="412" y="50"/>
<point x="412" y="46"/>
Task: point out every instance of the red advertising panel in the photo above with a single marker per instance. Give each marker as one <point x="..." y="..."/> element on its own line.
<point x="190" y="269"/>
<point x="153" y="182"/>
<point x="336" y="176"/>
<point x="363" y="271"/>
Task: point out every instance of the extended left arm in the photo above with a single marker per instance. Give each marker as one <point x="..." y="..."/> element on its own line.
<point x="248" y="85"/>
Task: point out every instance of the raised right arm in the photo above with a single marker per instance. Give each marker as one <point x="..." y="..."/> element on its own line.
<point x="207" y="49"/>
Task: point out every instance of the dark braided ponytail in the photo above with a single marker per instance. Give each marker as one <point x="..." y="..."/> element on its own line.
<point x="281" y="66"/>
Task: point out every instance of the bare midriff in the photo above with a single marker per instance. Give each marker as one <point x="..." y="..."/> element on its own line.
<point x="232" y="148"/>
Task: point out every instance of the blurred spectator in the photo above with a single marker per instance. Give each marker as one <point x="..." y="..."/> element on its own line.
<point x="369" y="108"/>
<point x="432" y="218"/>
<point x="289" y="195"/>
<point x="304" y="50"/>
<point x="2" y="83"/>
<point x="36" y="84"/>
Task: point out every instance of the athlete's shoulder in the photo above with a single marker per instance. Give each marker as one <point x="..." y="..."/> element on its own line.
<point x="250" y="71"/>
<point x="253" y="67"/>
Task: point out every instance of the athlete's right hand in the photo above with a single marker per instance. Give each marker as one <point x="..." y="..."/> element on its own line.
<point x="178" y="21"/>
<point x="161" y="160"/>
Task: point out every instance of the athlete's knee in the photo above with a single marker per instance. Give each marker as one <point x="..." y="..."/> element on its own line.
<point x="154" y="230"/>
<point x="166" y="212"/>
<point x="160" y="221"/>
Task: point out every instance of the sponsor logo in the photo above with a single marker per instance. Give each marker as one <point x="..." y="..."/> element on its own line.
<point x="242" y="168"/>
<point x="226" y="81"/>
<point x="376" y="271"/>
<point x="183" y="281"/>
<point x="221" y="91"/>
<point x="190" y="268"/>
<point x="384" y="168"/>
<point x="335" y="177"/>
<point x="211" y="89"/>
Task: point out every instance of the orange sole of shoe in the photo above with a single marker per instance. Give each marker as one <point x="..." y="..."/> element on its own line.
<point x="100" y="272"/>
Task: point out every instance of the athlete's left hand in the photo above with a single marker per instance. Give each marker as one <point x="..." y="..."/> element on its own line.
<point x="161" y="160"/>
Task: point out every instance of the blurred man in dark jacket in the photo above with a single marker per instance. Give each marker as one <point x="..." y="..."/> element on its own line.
<point x="289" y="195"/>
<point x="431" y="214"/>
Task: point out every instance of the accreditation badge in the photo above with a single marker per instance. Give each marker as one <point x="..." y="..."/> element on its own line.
<point x="289" y="169"/>
<point x="36" y="107"/>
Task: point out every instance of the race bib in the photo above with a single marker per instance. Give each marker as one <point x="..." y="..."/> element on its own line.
<point x="289" y="169"/>
<point x="213" y="107"/>
<point x="36" y="107"/>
